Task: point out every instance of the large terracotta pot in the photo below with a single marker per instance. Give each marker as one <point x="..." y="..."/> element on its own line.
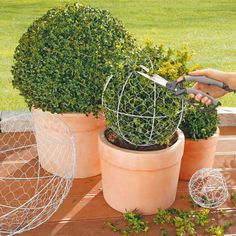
<point x="85" y="131"/>
<point x="198" y="154"/>
<point x="146" y="180"/>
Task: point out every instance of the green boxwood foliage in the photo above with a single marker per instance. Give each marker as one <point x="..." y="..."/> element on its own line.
<point x="64" y="58"/>
<point x="137" y="106"/>
<point x="199" y="121"/>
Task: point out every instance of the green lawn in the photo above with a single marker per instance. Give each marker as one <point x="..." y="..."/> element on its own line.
<point x="208" y="27"/>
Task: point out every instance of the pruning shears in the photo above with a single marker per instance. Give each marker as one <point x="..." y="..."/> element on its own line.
<point x="179" y="90"/>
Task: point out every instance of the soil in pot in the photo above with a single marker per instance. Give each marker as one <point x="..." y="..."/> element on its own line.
<point x="113" y="138"/>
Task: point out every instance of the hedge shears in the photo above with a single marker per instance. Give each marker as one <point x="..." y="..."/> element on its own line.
<point x="178" y="89"/>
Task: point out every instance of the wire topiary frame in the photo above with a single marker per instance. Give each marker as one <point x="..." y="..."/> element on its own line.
<point x="208" y="188"/>
<point x="30" y="194"/>
<point x="138" y="110"/>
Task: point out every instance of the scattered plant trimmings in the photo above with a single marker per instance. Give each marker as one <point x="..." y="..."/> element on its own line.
<point x="219" y="230"/>
<point x="193" y="204"/>
<point x="202" y="217"/>
<point x="184" y="222"/>
<point x="135" y="224"/>
<point x="163" y="231"/>
<point x="208" y="188"/>
<point x="140" y="111"/>
<point x="113" y="227"/>
<point x="65" y="57"/>
<point x="162" y="217"/>
<point x="184" y="225"/>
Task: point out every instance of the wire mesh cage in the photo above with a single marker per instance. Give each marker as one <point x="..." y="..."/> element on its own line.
<point x="140" y="111"/>
<point x="37" y="161"/>
<point x="208" y="188"/>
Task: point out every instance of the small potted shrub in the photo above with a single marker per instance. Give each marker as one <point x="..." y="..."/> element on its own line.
<point x="60" y="66"/>
<point x="142" y="148"/>
<point x="199" y="125"/>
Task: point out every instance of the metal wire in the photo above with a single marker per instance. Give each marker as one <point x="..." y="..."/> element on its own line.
<point x="208" y="188"/>
<point x="37" y="162"/>
<point x="158" y="112"/>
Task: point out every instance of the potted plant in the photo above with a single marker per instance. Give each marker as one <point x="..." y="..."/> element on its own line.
<point x="61" y="65"/>
<point x="199" y="125"/>
<point x="142" y="148"/>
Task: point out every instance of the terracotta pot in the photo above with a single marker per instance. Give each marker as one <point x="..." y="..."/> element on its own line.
<point x="146" y="180"/>
<point x="198" y="154"/>
<point x="85" y="132"/>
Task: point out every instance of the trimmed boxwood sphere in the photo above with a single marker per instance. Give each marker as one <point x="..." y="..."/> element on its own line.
<point x="64" y="58"/>
<point x="199" y="121"/>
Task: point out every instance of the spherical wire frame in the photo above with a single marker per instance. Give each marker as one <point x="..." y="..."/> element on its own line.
<point x="117" y="112"/>
<point x="29" y="197"/>
<point x="200" y="196"/>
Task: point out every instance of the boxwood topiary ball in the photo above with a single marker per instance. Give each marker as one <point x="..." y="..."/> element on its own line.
<point x="199" y="121"/>
<point x="64" y="58"/>
<point x="140" y="111"/>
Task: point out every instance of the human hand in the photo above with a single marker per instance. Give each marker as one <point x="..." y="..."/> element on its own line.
<point x="213" y="91"/>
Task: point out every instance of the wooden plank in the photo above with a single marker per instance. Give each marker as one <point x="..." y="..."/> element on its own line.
<point x="23" y="189"/>
<point x="16" y="139"/>
<point x="229" y="215"/>
<point x="225" y="161"/>
<point x="227" y="130"/>
<point x="229" y="174"/>
<point x="227" y="116"/>
<point x="76" y="218"/>
<point x="90" y="228"/>
<point x="81" y="228"/>
<point x="73" y="208"/>
<point x="185" y="203"/>
<point x="15" y="161"/>
<point x="91" y="187"/>
<point x="84" y="210"/>
<point x="97" y="228"/>
<point x="226" y="144"/>
<point x="83" y="186"/>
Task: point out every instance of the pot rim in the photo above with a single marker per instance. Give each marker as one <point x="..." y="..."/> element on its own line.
<point x="104" y="140"/>
<point x="72" y="114"/>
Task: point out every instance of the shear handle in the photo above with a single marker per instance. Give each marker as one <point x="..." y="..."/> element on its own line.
<point x="206" y="80"/>
<point x="215" y="102"/>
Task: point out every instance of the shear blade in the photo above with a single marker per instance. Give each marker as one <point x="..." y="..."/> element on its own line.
<point x="144" y="68"/>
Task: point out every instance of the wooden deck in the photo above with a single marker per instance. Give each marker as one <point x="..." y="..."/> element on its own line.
<point x="84" y="211"/>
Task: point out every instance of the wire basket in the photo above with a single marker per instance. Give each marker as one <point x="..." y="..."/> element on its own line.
<point x="37" y="161"/>
<point x="208" y="188"/>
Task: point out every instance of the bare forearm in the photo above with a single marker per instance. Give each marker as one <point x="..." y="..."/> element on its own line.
<point x="230" y="79"/>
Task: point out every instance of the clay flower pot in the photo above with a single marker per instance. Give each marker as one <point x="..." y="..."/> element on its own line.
<point x="146" y="180"/>
<point x="85" y="131"/>
<point x="198" y="154"/>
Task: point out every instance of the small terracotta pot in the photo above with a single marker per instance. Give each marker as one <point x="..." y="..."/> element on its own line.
<point x="198" y="154"/>
<point x="146" y="180"/>
<point x="85" y="130"/>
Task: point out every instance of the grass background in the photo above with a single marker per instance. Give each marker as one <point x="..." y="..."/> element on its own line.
<point x="207" y="27"/>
